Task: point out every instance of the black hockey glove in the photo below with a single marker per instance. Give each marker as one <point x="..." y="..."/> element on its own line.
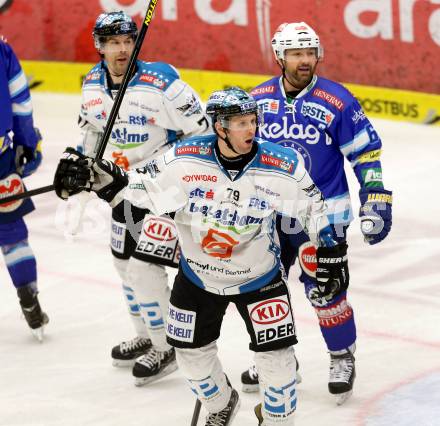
<point x="73" y="174"/>
<point x="332" y="270"/>
<point x="109" y="181"/>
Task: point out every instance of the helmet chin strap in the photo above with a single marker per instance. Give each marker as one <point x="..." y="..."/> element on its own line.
<point x="227" y="142"/>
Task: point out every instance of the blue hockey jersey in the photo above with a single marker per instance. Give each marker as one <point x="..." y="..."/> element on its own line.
<point x="16" y="124"/>
<point x="324" y="123"/>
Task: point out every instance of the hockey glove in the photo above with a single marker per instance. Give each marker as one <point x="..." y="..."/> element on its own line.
<point x="109" y="181"/>
<point x="332" y="270"/>
<point x="375" y="214"/>
<point x="74" y="174"/>
<point x="27" y="159"/>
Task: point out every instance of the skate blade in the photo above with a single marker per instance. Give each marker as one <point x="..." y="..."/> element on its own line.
<point x="342" y="397"/>
<point x="250" y="388"/>
<point x="38" y="333"/>
<point x="141" y="381"/>
<point x="236" y="408"/>
<point x="123" y="363"/>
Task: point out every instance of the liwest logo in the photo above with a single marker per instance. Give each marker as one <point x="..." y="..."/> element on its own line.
<point x="218" y="244"/>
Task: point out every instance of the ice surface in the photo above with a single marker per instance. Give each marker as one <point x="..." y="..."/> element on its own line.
<point x="395" y="290"/>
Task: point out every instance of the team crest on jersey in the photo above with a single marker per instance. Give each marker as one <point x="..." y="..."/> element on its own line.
<point x="317" y="112"/>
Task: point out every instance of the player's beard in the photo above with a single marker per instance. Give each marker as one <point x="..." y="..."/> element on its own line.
<point x="300" y="79"/>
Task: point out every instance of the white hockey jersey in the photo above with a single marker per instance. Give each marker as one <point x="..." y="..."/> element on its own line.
<point x="226" y="226"/>
<point x="157" y="109"/>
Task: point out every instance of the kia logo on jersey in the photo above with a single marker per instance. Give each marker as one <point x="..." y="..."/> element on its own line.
<point x="270" y="311"/>
<point x="218" y="244"/>
<point x="160" y="229"/>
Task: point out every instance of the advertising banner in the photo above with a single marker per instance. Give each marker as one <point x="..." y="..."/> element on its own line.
<point x="389" y="43"/>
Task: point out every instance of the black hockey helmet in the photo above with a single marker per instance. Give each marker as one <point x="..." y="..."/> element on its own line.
<point x="112" y="24"/>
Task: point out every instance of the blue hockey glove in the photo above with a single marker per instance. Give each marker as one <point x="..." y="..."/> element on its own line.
<point x="332" y="276"/>
<point x="27" y="160"/>
<point x="375" y="214"/>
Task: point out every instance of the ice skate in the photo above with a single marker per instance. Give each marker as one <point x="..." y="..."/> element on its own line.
<point x="126" y="353"/>
<point x="249" y="379"/>
<point x="257" y="411"/>
<point x="32" y="312"/>
<point x="154" y="365"/>
<point x="342" y="375"/>
<point x="225" y="416"/>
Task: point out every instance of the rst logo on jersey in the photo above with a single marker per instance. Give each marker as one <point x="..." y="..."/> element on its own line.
<point x="157" y="82"/>
<point x="263" y="90"/>
<point x="271" y="319"/>
<point x="317" y="112"/>
<point x="277" y="162"/>
<point x="328" y="97"/>
<point x="198" y="150"/>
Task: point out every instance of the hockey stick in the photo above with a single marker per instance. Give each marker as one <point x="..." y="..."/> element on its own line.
<point x="116" y="105"/>
<point x="195" y="417"/>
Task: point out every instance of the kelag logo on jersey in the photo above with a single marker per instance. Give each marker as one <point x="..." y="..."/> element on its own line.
<point x="318" y="112"/>
<point x="287" y="130"/>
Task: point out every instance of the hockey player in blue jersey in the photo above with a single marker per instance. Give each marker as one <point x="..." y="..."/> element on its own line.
<point x="323" y="123"/>
<point x="20" y="156"/>
<point x="158" y="109"/>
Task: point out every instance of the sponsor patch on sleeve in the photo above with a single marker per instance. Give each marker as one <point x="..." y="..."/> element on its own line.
<point x="369" y="157"/>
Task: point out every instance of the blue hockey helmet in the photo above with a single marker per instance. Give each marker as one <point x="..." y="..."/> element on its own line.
<point x="112" y="24"/>
<point x="227" y="103"/>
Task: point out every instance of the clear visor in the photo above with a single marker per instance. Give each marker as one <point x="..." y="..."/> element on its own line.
<point x="241" y="122"/>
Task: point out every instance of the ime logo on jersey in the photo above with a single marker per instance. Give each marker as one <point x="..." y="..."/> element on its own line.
<point x="271" y="319"/>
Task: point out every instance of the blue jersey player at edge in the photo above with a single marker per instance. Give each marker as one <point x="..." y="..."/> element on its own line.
<point x="20" y="156"/>
<point x="323" y="122"/>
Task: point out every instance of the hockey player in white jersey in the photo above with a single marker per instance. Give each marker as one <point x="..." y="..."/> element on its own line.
<point x="225" y="189"/>
<point x="157" y="110"/>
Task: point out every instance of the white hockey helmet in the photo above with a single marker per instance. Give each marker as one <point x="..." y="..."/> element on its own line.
<point x="296" y="35"/>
